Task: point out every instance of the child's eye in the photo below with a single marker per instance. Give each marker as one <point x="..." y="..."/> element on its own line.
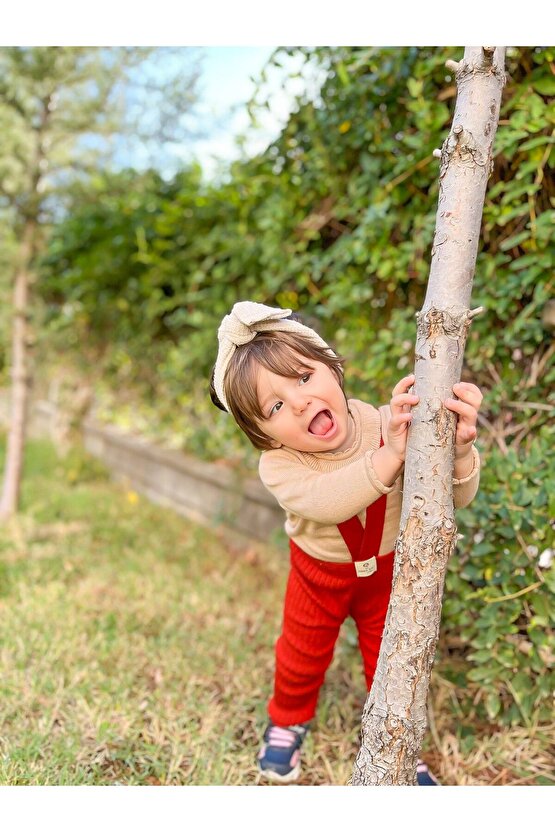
<point x="305" y="378"/>
<point x="276" y="407"/>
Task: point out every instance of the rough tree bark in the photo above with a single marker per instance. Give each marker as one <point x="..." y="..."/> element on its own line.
<point x="394" y="716"/>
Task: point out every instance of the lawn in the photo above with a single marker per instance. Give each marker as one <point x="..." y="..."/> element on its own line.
<point x="137" y="648"/>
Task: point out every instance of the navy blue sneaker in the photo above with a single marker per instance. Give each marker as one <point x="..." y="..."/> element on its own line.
<point x="424" y="776"/>
<point x="280" y="756"/>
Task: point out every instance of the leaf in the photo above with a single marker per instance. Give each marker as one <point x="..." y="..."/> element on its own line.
<point x="493" y="705"/>
<point x="544" y="85"/>
<point x="521" y="684"/>
<point x="415" y="86"/>
<point x="537" y="142"/>
<point x="480" y="674"/>
<point x="480" y="656"/>
<point x="342" y="74"/>
<point x="543" y="607"/>
<point x="515" y="240"/>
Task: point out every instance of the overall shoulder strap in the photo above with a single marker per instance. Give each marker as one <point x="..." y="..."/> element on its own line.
<point x="364" y="543"/>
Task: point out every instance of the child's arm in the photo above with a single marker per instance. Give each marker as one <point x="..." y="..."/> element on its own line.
<point x="327" y="497"/>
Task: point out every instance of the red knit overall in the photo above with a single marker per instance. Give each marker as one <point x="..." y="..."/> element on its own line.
<point x="318" y="599"/>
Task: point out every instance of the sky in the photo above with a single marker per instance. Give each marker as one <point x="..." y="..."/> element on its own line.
<point x="229" y="79"/>
<point x="227" y="83"/>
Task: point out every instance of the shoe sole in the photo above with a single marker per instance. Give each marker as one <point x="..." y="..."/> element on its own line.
<point x="281" y="778"/>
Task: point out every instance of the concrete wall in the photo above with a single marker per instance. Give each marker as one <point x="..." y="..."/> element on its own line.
<point x="207" y="493"/>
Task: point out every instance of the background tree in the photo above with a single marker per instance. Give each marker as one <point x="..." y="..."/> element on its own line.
<point x="61" y="109"/>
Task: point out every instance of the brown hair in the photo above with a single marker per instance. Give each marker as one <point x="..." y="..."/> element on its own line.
<point x="278" y="352"/>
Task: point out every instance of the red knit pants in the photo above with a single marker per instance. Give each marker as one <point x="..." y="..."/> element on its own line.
<point x="318" y="599"/>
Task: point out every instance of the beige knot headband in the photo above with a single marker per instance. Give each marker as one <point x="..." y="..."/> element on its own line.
<point x="245" y="320"/>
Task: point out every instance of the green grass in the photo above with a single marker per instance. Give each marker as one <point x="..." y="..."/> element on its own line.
<point x="137" y="648"/>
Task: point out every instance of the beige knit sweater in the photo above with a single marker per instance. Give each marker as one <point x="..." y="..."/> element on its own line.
<point x="319" y="490"/>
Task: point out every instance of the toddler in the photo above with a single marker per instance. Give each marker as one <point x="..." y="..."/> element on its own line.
<point x="335" y="466"/>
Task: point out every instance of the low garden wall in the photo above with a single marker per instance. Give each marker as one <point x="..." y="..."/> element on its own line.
<point x="205" y="492"/>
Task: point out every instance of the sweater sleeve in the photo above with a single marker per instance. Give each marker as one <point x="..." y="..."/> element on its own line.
<point x="464" y="490"/>
<point x="321" y="496"/>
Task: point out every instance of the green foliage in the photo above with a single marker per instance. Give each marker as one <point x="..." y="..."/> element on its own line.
<point x="336" y="219"/>
<point x="499" y="601"/>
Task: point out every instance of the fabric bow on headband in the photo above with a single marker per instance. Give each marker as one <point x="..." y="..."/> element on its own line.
<point x="245" y="320"/>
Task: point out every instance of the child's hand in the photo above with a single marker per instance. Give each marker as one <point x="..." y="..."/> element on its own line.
<point x="389" y="460"/>
<point x="401" y="416"/>
<point x="466" y="406"/>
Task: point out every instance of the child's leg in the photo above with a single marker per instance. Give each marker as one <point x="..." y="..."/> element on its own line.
<point x="317" y="601"/>
<point x="369" y="610"/>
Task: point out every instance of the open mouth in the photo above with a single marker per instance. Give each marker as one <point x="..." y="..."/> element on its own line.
<point x="321" y="424"/>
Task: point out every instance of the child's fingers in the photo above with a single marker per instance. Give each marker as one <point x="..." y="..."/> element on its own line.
<point x="403" y="385"/>
<point x="466" y="434"/>
<point x="399" y="419"/>
<point x="402" y="401"/>
<point x="466" y="412"/>
<point x="468" y="393"/>
<point x="465" y="438"/>
<point x="466" y="405"/>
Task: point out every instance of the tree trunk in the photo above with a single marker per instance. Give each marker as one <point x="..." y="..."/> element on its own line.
<point x="29" y="211"/>
<point x="394" y="716"/>
<point x="20" y="375"/>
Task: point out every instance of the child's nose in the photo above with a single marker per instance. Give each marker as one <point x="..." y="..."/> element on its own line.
<point x="301" y="403"/>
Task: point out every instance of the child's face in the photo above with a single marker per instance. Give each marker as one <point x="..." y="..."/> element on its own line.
<point x="307" y="413"/>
